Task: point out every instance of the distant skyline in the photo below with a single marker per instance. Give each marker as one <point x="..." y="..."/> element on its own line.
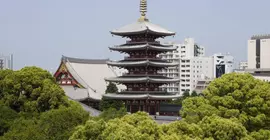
<point x="39" y="32"/>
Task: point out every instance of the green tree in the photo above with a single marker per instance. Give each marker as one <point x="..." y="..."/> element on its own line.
<point x="181" y="130"/>
<point x="56" y="124"/>
<point x="7" y="116"/>
<point x="59" y="124"/>
<point x="113" y="113"/>
<point x="194" y="93"/>
<point x="32" y="89"/>
<point x="196" y="108"/>
<point x="24" y="129"/>
<point x="3" y="74"/>
<point x="131" y="127"/>
<point x="111" y="88"/>
<point x="261" y="135"/>
<point x="186" y="94"/>
<point x="92" y="130"/>
<point x="110" y="103"/>
<point x="241" y="96"/>
<point x="218" y="128"/>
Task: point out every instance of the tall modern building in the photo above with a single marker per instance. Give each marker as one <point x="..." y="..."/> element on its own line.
<point x="259" y="52"/>
<point x="258" y="58"/>
<point x="186" y="51"/>
<point x="194" y="66"/>
<point x="143" y="92"/>
<point x="6" y="62"/>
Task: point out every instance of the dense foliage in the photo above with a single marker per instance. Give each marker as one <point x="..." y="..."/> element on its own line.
<point x="30" y="89"/>
<point x="237" y="97"/>
<point x="111" y="88"/>
<point x="33" y="106"/>
<point x="106" y="104"/>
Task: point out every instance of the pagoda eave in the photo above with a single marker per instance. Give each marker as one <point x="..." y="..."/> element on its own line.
<point x="141" y="63"/>
<point x="140" y="97"/>
<point x="144" y="27"/>
<point x="141" y="80"/>
<point x="142" y="47"/>
<point x="127" y="34"/>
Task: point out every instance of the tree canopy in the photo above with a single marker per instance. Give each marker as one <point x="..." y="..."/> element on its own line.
<point x="33" y="106"/>
<point x="31" y="89"/>
<point x="106" y="104"/>
<point x="111" y="88"/>
<point x="233" y="96"/>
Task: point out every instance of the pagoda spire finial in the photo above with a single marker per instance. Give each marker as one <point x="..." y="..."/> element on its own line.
<point x="143" y="10"/>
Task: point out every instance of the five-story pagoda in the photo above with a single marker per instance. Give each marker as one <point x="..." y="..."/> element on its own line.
<point x="143" y="81"/>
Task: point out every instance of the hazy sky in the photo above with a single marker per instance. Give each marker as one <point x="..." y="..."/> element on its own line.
<point x="39" y="32"/>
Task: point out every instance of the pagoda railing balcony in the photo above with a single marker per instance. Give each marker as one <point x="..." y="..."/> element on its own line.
<point x="143" y="89"/>
<point x="142" y="74"/>
<point x="142" y="41"/>
<point x="142" y="56"/>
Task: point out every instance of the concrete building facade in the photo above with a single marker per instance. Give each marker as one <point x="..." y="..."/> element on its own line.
<point x="243" y="65"/>
<point x="259" y="52"/>
<point x="6" y="62"/>
<point x="194" y="66"/>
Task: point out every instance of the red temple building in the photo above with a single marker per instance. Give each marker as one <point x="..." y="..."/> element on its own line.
<point x="142" y="81"/>
<point x="83" y="79"/>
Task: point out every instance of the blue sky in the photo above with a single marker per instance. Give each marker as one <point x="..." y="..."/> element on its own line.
<point x="39" y="32"/>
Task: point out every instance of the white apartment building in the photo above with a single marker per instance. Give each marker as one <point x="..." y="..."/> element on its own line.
<point x="259" y="52"/>
<point x="6" y="62"/>
<point x="243" y="65"/>
<point x="182" y="55"/>
<point x="194" y="66"/>
<point x="258" y="49"/>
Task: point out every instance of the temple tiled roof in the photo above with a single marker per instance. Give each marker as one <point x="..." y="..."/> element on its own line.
<point x="89" y="73"/>
<point x="141" y="27"/>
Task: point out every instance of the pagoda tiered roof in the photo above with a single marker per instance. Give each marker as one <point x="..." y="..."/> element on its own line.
<point x="146" y="46"/>
<point x="142" y="63"/>
<point x="141" y="27"/>
<point x="145" y="79"/>
<point x="124" y="63"/>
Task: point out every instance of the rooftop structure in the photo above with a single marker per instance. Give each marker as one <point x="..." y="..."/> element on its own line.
<point x="265" y="36"/>
<point x="82" y="80"/>
<point x="142" y="80"/>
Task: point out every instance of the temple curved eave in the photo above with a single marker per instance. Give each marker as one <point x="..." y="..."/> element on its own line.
<point x="141" y="63"/>
<point x="141" y="80"/>
<point x="142" y="47"/>
<point x="140" y="97"/>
